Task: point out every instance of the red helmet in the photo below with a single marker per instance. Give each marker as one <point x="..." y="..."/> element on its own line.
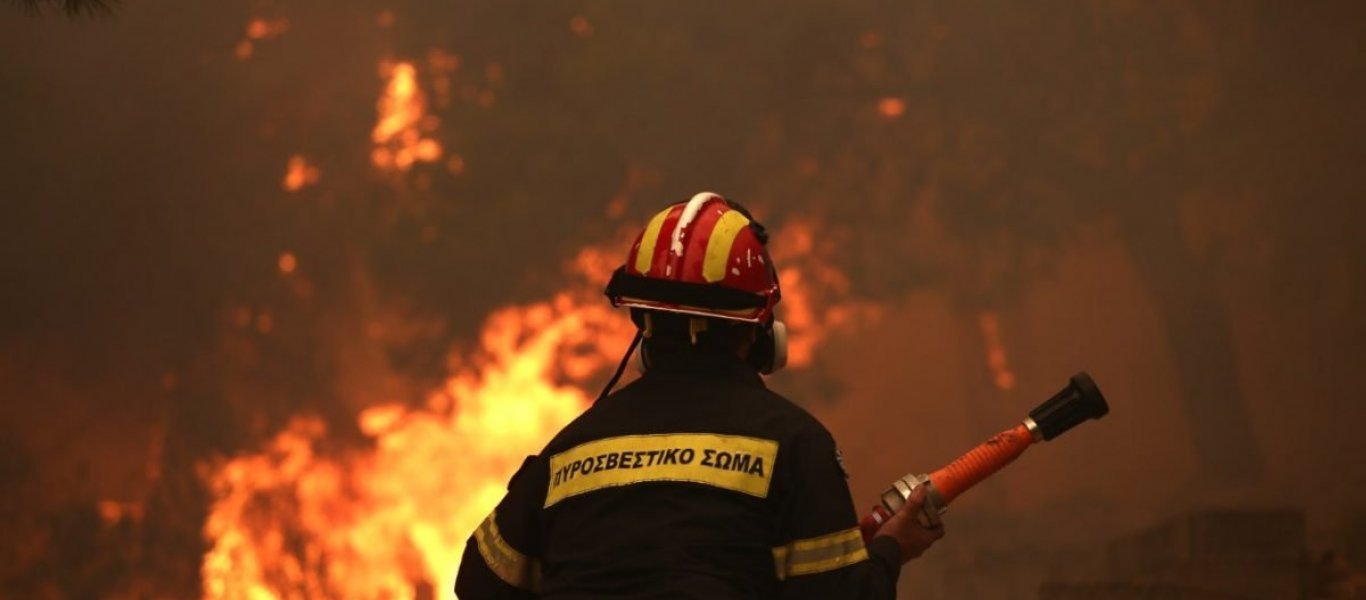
<point x="702" y="257"/>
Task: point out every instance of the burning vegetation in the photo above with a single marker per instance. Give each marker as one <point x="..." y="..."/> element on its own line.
<point x="312" y="389"/>
<point x="402" y="134"/>
<point x="307" y="517"/>
<point x="311" y="515"/>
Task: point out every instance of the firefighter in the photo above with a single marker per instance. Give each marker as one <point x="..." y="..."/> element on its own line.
<point x="694" y="481"/>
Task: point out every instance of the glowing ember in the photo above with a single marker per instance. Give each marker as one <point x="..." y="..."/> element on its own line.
<point x="111" y="512"/>
<point x="398" y="134"/>
<point x="287" y="262"/>
<point x="299" y="174"/>
<point x="891" y="107"/>
<point x="304" y="519"/>
<point x="259" y="29"/>
<point x="1001" y="375"/>
<point x="580" y="26"/>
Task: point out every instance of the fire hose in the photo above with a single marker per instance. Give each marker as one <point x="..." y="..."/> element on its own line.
<point x="1081" y="400"/>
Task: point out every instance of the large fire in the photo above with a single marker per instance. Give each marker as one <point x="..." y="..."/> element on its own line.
<point x="304" y="519"/>
<point x="309" y="516"/>
<point x="817" y="299"/>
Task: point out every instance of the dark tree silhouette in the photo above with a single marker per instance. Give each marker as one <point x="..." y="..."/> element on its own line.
<point x="70" y="7"/>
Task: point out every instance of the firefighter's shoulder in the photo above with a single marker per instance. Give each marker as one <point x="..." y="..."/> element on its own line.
<point x="804" y="438"/>
<point x="793" y="418"/>
<point x="589" y="424"/>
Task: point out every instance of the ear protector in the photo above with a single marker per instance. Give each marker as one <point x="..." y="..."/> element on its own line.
<point x="769" y="352"/>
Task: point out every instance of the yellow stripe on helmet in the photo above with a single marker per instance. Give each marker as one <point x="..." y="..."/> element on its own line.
<point x="648" y="240"/>
<point x="719" y="244"/>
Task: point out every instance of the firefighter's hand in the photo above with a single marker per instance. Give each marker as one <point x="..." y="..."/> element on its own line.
<point x="910" y="534"/>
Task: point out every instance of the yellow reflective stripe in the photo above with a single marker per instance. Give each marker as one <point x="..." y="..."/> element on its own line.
<point x="732" y="462"/>
<point x="505" y="561"/>
<point x="820" y="554"/>
<point x="719" y="244"/>
<point x="645" y="256"/>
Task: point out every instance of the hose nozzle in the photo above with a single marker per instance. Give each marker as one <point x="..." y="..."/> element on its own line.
<point x="1079" y="401"/>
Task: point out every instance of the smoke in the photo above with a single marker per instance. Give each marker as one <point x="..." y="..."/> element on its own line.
<point x="1165" y="195"/>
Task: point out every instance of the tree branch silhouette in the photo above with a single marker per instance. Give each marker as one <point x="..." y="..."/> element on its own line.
<point x="72" y="8"/>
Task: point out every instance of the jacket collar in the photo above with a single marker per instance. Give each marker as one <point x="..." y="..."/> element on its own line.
<point x="704" y="364"/>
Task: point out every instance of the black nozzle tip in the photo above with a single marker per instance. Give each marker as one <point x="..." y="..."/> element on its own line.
<point x="1091" y="397"/>
<point x="1081" y="400"/>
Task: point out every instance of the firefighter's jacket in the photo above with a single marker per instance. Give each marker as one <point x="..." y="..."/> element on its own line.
<point x="695" y="481"/>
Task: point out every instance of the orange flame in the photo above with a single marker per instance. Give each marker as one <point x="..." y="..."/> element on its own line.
<point x="259" y="29"/>
<point x="398" y="137"/>
<point x="287" y="262"/>
<point x="1001" y="375"/>
<point x="305" y="520"/>
<point x="815" y="292"/>
<point x="299" y="174"/>
<point x="891" y="107"/>
<point x="113" y="511"/>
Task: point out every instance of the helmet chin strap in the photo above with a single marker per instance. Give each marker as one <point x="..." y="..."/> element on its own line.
<point x="621" y="366"/>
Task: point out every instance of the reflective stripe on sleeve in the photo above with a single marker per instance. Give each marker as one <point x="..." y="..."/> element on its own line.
<point x="506" y="562"/>
<point x="820" y="554"/>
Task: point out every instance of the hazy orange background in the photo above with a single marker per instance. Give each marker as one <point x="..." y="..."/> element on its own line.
<point x="208" y="230"/>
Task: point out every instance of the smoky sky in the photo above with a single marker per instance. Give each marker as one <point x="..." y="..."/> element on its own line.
<point x="144" y="158"/>
<point x="1213" y="149"/>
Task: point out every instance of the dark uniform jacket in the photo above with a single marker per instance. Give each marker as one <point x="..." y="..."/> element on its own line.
<point x="695" y="481"/>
